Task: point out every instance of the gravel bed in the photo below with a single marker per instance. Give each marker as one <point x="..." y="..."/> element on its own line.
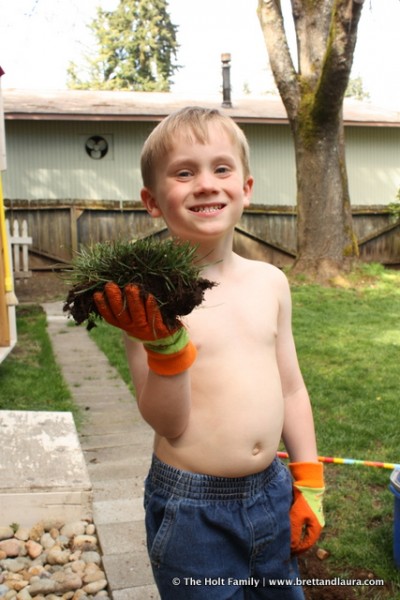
<point x="50" y="561"/>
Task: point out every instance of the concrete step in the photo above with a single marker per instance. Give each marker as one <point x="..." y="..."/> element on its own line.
<point x="43" y="473"/>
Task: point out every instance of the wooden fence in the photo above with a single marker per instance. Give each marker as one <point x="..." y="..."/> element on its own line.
<point x="59" y="228"/>
<point x="19" y="243"/>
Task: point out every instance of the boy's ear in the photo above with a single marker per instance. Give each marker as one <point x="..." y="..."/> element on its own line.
<point x="248" y="190"/>
<point x="150" y="203"/>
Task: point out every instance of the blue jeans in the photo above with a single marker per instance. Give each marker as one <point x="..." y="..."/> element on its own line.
<point x="218" y="538"/>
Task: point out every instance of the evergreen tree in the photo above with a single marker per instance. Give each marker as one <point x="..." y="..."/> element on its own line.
<point x="355" y="89"/>
<point x="136" y="49"/>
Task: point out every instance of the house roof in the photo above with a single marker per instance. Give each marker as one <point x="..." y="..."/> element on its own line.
<point x="152" y="106"/>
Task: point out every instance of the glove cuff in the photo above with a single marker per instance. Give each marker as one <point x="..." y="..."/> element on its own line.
<point x="169" y="345"/>
<point x="308" y="474"/>
<point x="171" y="364"/>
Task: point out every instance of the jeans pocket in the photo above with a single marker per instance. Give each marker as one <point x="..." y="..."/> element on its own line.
<point x="160" y="518"/>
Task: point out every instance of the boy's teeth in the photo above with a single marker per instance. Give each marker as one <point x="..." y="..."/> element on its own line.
<point x="207" y="208"/>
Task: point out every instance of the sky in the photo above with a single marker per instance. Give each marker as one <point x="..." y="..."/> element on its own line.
<point x="38" y="39"/>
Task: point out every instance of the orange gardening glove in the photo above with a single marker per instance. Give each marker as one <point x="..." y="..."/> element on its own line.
<point x="306" y="514"/>
<point x="169" y="351"/>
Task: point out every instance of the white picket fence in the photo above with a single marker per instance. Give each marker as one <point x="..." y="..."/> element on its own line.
<point x="19" y="241"/>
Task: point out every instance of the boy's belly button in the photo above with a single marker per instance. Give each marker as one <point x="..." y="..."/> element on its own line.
<point x="256" y="449"/>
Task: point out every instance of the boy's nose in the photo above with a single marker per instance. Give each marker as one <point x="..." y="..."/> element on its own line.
<point x="205" y="183"/>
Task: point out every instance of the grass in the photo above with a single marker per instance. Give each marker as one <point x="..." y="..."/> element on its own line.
<point x="348" y="342"/>
<point x="167" y="269"/>
<point x="30" y="378"/>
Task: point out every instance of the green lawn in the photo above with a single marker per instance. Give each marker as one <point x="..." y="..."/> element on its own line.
<point x="348" y="343"/>
<point x="30" y="379"/>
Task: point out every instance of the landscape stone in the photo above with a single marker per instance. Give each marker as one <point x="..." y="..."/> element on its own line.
<point x="22" y="534"/>
<point x="11" y="547"/>
<point x="34" y="548"/>
<point x="6" y="533"/>
<point x="72" y="529"/>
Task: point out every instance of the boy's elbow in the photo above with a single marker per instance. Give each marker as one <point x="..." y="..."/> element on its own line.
<point x="165" y="426"/>
<point x="165" y="404"/>
<point x="170" y="431"/>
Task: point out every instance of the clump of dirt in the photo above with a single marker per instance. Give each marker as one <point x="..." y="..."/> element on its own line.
<point x="166" y="269"/>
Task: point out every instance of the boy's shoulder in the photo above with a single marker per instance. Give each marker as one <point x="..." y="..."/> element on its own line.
<point x="264" y="270"/>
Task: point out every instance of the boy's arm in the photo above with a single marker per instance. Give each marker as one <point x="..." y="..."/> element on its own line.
<point x="164" y="401"/>
<point x="306" y="514"/>
<point x="159" y="357"/>
<point x="298" y="429"/>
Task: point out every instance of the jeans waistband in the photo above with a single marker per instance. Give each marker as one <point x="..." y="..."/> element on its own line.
<point x="196" y="486"/>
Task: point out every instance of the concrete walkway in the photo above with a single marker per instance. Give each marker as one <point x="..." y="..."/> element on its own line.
<point x="117" y="446"/>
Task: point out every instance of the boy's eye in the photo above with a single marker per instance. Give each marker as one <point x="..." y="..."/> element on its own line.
<point x="222" y="170"/>
<point x="183" y="173"/>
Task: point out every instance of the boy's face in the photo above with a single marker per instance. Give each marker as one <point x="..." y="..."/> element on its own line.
<point x="200" y="190"/>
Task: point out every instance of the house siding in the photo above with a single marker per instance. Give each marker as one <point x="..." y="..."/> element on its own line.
<point x="373" y="164"/>
<point x="47" y="160"/>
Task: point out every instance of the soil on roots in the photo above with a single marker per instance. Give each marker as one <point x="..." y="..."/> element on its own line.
<point x="168" y="270"/>
<point x="173" y="304"/>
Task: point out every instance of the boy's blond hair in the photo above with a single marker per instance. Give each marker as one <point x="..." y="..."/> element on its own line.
<point x="191" y="122"/>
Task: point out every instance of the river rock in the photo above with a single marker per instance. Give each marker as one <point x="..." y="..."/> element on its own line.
<point x="43" y="586"/>
<point x="57" y="556"/>
<point x="25" y="595"/>
<point x="6" y="533"/>
<point x="73" y="529"/>
<point x="22" y="534"/>
<point x="95" y="586"/>
<point x="93" y="573"/>
<point x="51" y="565"/>
<point x="36" y="532"/>
<point x="47" y="541"/>
<point x="33" y="548"/>
<point x="11" y="547"/>
<point x="15" y="565"/>
<point x="91" y="557"/>
<point x="84" y="543"/>
<point x="66" y="581"/>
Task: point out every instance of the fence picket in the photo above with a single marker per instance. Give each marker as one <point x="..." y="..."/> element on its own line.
<point x="25" y="255"/>
<point x="16" y="247"/>
<point x="20" y="242"/>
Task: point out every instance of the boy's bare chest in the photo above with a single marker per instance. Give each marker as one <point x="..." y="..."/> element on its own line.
<point x="239" y="314"/>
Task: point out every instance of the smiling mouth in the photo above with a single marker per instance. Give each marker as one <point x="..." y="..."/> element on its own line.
<point x="207" y="209"/>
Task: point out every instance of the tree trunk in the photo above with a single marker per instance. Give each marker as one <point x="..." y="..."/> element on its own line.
<point x="326" y="242"/>
<point x="326" y="34"/>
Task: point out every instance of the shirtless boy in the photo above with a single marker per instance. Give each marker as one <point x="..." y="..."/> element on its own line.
<point x="224" y="517"/>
